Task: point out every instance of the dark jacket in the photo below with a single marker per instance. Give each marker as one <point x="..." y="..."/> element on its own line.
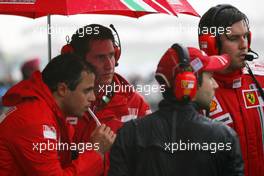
<point x="176" y="140"/>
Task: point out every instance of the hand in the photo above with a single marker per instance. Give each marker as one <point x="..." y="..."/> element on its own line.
<point x="104" y="136"/>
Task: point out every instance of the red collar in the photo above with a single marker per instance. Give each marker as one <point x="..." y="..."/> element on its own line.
<point x="230" y="80"/>
<point x="117" y="98"/>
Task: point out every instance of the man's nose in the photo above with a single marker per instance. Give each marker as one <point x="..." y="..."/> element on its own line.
<point x="109" y="62"/>
<point x="215" y="85"/>
<point x="91" y="97"/>
<point x="243" y="43"/>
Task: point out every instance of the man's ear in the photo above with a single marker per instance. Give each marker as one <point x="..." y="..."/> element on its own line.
<point x="199" y="77"/>
<point x="62" y="89"/>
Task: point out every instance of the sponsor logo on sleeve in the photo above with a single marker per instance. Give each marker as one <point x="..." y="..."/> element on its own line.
<point x="257" y="68"/>
<point x="237" y="83"/>
<point x="133" y="113"/>
<point x="8" y="112"/>
<point x="215" y="107"/>
<point x="49" y="132"/>
<point x="148" y="112"/>
<point x="72" y="120"/>
<point x="225" y="118"/>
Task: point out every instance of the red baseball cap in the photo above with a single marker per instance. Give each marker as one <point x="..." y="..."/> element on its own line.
<point x="199" y="62"/>
<point x="31" y="64"/>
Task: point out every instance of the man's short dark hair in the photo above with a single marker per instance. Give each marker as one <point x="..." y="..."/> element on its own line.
<point x="65" y="68"/>
<point x="80" y="41"/>
<point x="224" y="18"/>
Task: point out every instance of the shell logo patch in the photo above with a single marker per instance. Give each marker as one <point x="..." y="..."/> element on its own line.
<point x="213" y="106"/>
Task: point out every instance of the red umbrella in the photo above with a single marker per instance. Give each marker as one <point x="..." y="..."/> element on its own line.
<point x="182" y="6"/>
<point x="132" y="8"/>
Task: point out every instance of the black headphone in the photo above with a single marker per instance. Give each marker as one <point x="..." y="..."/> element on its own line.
<point x="219" y="8"/>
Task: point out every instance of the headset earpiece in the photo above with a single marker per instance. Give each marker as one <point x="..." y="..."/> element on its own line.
<point x="117" y="54"/>
<point x="68" y="47"/>
<point x="185" y="86"/>
<point x="208" y="43"/>
<point x="185" y="82"/>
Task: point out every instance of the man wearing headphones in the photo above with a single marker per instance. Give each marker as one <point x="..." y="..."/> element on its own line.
<point x="116" y="102"/>
<point x="239" y="100"/>
<point x="177" y="139"/>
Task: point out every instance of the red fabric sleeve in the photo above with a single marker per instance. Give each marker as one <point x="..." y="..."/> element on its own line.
<point x="47" y="162"/>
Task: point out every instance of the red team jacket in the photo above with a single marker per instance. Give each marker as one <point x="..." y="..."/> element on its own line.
<point x="123" y="106"/>
<point x="35" y="120"/>
<point x="238" y="104"/>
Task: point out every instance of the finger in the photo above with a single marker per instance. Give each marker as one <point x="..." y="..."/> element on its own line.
<point x="107" y="130"/>
<point x="113" y="138"/>
<point x="111" y="133"/>
<point x="102" y="128"/>
<point x="99" y="130"/>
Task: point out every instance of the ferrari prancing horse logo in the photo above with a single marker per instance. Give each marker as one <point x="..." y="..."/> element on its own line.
<point x="251" y="97"/>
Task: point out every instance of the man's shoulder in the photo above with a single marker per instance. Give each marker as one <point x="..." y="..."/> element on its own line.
<point x="218" y="128"/>
<point x="257" y="68"/>
<point x="33" y="108"/>
<point x="120" y="79"/>
<point x="25" y="122"/>
<point x="28" y="113"/>
<point x="127" y="89"/>
<point x="140" y="124"/>
<point x="142" y="131"/>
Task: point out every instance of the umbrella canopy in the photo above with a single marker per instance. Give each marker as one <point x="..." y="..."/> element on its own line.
<point x="132" y="8"/>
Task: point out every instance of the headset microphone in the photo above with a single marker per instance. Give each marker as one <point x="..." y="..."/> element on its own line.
<point x="252" y="56"/>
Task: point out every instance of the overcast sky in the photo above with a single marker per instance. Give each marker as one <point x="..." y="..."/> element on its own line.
<point x="144" y="40"/>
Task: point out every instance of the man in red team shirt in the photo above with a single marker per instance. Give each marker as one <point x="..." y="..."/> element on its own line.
<point x="238" y="101"/>
<point x="113" y="105"/>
